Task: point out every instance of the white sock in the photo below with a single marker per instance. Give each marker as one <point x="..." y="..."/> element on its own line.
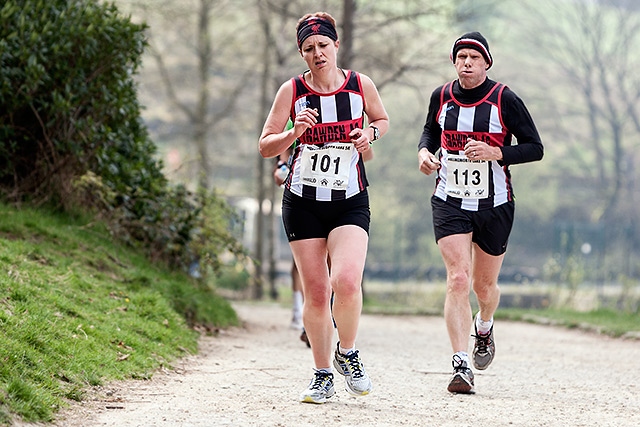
<point x="483" y="326"/>
<point x="345" y="351"/>
<point x="464" y="356"/>
<point x="325" y="370"/>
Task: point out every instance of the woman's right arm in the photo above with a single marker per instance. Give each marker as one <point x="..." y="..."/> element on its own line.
<point x="274" y="140"/>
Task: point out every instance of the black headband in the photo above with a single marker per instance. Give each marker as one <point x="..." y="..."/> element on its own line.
<point x="316" y="26"/>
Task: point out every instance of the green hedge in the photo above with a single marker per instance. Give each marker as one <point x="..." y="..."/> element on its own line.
<point x="71" y="132"/>
<point x="68" y="101"/>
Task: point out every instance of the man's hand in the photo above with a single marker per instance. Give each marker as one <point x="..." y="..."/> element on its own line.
<point x="427" y="162"/>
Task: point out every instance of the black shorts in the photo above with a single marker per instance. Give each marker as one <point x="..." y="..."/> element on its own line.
<point x="490" y="227"/>
<point x="310" y="219"/>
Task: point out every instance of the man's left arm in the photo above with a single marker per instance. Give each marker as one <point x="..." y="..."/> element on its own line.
<point x="520" y="123"/>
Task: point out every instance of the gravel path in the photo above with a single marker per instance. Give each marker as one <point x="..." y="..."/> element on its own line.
<point x="251" y="376"/>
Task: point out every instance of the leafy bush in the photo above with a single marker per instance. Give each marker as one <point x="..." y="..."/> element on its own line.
<point x="171" y="224"/>
<point x="68" y="103"/>
<point x="70" y="120"/>
<point x="235" y="277"/>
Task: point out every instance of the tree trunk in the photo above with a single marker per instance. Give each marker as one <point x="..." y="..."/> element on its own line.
<point x="346" y="38"/>
<point x="201" y="112"/>
<point x="272" y="241"/>
<point x="258" y="291"/>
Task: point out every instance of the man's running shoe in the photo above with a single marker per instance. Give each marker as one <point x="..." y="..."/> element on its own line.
<point x="357" y="381"/>
<point x="320" y="388"/>
<point x="483" y="350"/>
<point x="462" y="379"/>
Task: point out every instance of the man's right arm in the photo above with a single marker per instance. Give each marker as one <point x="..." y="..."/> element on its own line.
<point x="430" y="138"/>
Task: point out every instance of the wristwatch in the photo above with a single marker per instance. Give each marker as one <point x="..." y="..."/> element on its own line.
<point x="376" y="133"/>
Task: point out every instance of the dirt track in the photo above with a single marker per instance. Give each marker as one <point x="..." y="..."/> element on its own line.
<point x="542" y="376"/>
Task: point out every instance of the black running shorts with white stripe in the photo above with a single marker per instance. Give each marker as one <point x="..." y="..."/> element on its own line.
<point x="490" y="227"/>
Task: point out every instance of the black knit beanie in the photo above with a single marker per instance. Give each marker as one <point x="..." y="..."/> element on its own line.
<point x="473" y="40"/>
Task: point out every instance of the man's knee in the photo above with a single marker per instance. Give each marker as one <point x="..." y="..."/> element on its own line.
<point x="458" y="282"/>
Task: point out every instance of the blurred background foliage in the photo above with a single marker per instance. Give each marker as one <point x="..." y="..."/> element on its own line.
<point x="166" y="126"/>
<point x="570" y="61"/>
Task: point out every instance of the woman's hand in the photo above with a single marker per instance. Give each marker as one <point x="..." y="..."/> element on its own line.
<point x="360" y="139"/>
<point x="305" y="119"/>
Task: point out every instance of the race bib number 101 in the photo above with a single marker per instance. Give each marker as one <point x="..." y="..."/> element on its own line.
<point x="326" y="166"/>
<point x="467" y="178"/>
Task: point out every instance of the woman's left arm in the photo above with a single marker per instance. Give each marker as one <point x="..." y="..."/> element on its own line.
<point x="376" y="113"/>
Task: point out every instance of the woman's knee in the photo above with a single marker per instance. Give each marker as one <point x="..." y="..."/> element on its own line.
<point x="347" y="284"/>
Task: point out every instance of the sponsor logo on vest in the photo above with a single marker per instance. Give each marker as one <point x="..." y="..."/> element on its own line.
<point x="457" y="140"/>
<point x="322" y="133"/>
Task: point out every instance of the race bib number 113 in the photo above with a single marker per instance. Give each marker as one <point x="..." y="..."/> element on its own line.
<point x="467" y="178"/>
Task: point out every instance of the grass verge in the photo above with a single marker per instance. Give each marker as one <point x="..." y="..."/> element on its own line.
<point x="414" y="298"/>
<point x="78" y="310"/>
<point x="603" y="321"/>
